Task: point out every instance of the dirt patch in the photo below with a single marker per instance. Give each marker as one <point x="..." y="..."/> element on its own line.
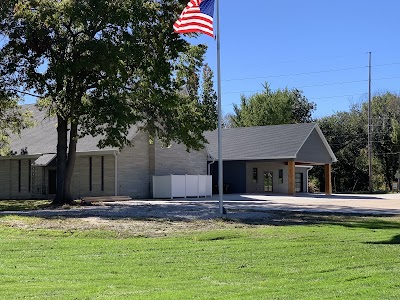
<point x="124" y="227"/>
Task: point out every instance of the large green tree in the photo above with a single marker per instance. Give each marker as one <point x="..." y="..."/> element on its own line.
<point x="282" y="106"/>
<point x="196" y="79"/>
<point x="347" y="134"/>
<point x="12" y="119"/>
<point x="100" y="66"/>
<point x="209" y="98"/>
<point x="386" y="133"/>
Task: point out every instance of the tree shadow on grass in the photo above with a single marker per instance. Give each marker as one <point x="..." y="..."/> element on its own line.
<point x="393" y="241"/>
<point x="24" y="205"/>
<point x="287" y="218"/>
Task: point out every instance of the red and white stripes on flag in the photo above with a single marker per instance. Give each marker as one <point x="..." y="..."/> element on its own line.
<point x="196" y="17"/>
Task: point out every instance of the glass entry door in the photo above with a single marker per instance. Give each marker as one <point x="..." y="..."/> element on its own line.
<point x="299" y="182"/>
<point x="268" y="181"/>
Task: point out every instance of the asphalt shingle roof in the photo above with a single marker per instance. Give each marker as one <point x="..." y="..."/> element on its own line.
<point x="245" y="143"/>
<point x="263" y="142"/>
<point x="42" y="138"/>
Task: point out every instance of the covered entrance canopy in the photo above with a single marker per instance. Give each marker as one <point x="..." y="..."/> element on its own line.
<point x="280" y="151"/>
<point x="44" y="160"/>
<point x="44" y="175"/>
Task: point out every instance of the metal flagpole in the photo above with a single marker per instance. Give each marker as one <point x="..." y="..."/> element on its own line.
<point x="220" y="164"/>
<point x="369" y="128"/>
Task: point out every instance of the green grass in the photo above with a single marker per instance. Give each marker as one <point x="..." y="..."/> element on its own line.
<point x="19" y="205"/>
<point x="334" y="258"/>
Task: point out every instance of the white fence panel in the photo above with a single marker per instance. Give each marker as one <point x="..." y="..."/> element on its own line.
<point x="192" y="186"/>
<point x="180" y="186"/>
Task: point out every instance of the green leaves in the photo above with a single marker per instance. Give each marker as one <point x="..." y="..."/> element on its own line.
<point x="12" y="119"/>
<point x="103" y="66"/>
<point x="272" y="108"/>
<point x="347" y="133"/>
<point x="106" y="64"/>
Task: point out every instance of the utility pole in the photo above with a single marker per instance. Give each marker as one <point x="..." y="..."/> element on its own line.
<point x="369" y="127"/>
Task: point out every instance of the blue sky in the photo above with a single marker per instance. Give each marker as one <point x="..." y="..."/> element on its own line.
<point x="324" y="43"/>
<point x="320" y="47"/>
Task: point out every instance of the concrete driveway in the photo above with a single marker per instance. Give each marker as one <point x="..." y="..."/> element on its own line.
<point x="380" y="204"/>
<point x="240" y="207"/>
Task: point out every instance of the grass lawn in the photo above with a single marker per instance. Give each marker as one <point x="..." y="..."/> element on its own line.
<point x="326" y="258"/>
<point x="18" y="205"/>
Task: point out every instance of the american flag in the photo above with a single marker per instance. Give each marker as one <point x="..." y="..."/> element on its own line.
<point x="196" y="17"/>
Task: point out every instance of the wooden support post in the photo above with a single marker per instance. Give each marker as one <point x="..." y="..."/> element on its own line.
<point x="291" y="178"/>
<point x="328" y="179"/>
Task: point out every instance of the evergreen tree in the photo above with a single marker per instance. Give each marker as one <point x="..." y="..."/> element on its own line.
<point x="209" y="98"/>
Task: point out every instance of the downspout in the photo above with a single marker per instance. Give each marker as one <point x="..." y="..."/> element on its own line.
<point x="209" y="166"/>
<point x="308" y="178"/>
<point x="116" y="173"/>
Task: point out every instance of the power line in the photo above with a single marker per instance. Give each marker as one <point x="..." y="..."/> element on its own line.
<point x="310" y="73"/>
<point x="387" y="78"/>
<point x="296" y="74"/>
<point x="25" y="93"/>
<point x="320" y="85"/>
<point x="389" y="64"/>
<point x="339" y="96"/>
<point x="355" y="53"/>
<point x="389" y="153"/>
<point x="315" y="85"/>
<point x="319" y="98"/>
<point x="333" y="83"/>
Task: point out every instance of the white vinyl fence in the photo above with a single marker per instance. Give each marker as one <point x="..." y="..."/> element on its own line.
<point x="182" y="186"/>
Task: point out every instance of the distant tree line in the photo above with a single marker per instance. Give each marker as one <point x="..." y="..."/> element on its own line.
<point x="347" y="133"/>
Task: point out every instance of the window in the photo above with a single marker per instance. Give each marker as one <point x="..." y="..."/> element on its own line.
<point x="102" y="173"/>
<point x="19" y="175"/>
<point x="29" y="175"/>
<point x="255" y="175"/>
<point x="90" y="174"/>
<point x="280" y="180"/>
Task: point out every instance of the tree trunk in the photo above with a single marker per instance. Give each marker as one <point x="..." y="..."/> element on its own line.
<point x="61" y="158"/>
<point x="70" y="162"/>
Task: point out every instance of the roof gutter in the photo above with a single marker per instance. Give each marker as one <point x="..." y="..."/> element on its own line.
<point x="20" y="156"/>
<point x="97" y="152"/>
